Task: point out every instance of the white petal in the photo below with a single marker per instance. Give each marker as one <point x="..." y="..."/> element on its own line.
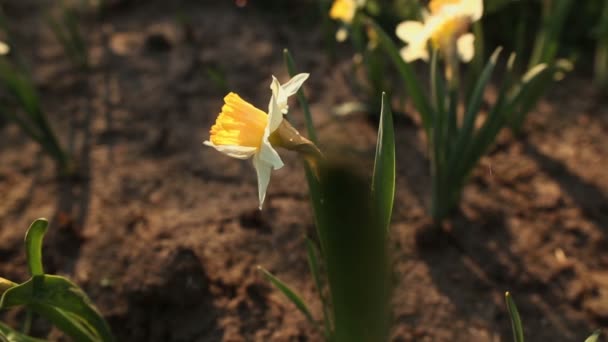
<point x="234" y="151"/>
<point x="411" y="53"/>
<point x="410" y="31"/>
<point x="269" y="155"/>
<point x="466" y="47"/>
<point x="293" y="85"/>
<point x="275" y="116"/>
<point x="473" y="8"/>
<point x="263" y="171"/>
<point x="277" y="90"/>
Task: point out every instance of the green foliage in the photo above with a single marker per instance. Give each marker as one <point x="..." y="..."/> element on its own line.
<point x="383" y="179"/>
<point x="455" y="146"/>
<point x="518" y="331"/>
<point x="356" y="257"/>
<point x="601" y="52"/>
<point x="53" y="297"/>
<point x="66" y="28"/>
<point x="32" y="120"/>
<point x="548" y="37"/>
<point x="33" y="246"/>
<point x="7" y="334"/>
<point x="594" y="337"/>
<point x="517" y="327"/>
<point x="289" y="293"/>
<point x="352" y="220"/>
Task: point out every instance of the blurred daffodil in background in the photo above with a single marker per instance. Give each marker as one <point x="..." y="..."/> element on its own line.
<point x="243" y="131"/>
<point x="345" y="10"/>
<point x="4" y="48"/>
<point x="445" y="27"/>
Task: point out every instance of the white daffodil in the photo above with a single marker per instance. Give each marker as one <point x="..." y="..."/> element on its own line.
<point x="4" y="48"/>
<point x="445" y="27"/>
<point x="243" y="131"/>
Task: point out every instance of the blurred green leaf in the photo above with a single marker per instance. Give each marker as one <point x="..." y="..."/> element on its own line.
<point x="7" y="334"/>
<point x="21" y="88"/>
<point x="594" y="337"/>
<point x="465" y="133"/>
<point x="547" y="39"/>
<point x="518" y="331"/>
<point x="356" y="257"/>
<point x="407" y="74"/>
<point x="383" y="180"/>
<point x="601" y="52"/>
<point x="290" y="294"/>
<point x="33" y="246"/>
<point x="62" y="302"/>
<point x="69" y="324"/>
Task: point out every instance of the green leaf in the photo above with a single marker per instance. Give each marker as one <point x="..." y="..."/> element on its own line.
<point x="8" y="334"/>
<point x="291" y="69"/>
<point x="383" y="180"/>
<point x="356" y="256"/>
<point x="594" y="337"/>
<point x="407" y="74"/>
<point x="518" y="331"/>
<point x="525" y="95"/>
<point x="465" y="134"/>
<point x="69" y="324"/>
<point x="33" y="246"/>
<point x="313" y="182"/>
<point x="62" y="302"/>
<point x="290" y="294"/>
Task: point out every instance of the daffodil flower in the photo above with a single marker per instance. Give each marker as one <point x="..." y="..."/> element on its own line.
<point x="243" y="131"/>
<point x="445" y="27"/>
<point x="345" y="10"/>
<point x="4" y="48"/>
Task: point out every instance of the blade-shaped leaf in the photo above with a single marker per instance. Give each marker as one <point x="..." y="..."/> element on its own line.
<point x="518" y="331"/>
<point x="594" y="337"/>
<point x="290" y="294"/>
<point x="33" y="246"/>
<point x="69" y="324"/>
<point x="383" y="181"/>
<point x="356" y="257"/>
<point x="407" y="74"/>
<point x="313" y="182"/>
<point x="8" y="334"/>
<point x="44" y="291"/>
<point x="465" y="134"/>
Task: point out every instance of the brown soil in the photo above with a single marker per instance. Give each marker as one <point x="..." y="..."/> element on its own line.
<point x="164" y="234"/>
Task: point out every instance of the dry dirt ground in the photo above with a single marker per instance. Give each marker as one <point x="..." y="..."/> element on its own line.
<point x="164" y="234"/>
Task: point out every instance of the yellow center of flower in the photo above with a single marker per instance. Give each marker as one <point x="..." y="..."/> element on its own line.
<point x="448" y="31"/>
<point x="343" y="10"/>
<point x="239" y="123"/>
<point x="436" y="5"/>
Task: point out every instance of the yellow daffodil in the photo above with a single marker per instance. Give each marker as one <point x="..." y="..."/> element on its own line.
<point x="243" y="131"/>
<point x="345" y="10"/>
<point x="445" y="27"/>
